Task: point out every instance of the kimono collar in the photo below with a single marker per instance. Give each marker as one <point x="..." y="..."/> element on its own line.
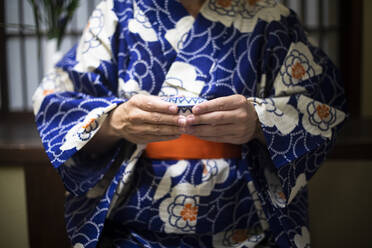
<point x="164" y="14"/>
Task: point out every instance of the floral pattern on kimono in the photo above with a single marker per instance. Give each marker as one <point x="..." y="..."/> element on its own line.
<point x="253" y="48"/>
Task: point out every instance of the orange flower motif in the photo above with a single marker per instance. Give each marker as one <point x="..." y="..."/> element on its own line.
<point x="189" y="212"/>
<point x="298" y="71"/>
<point x="253" y="2"/>
<point x="239" y="235"/>
<point x="205" y="170"/>
<point x="224" y="3"/>
<point x="322" y="111"/>
<point x="89" y="123"/>
<point x="87" y="26"/>
<point x="47" y="92"/>
<point x="282" y="196"/>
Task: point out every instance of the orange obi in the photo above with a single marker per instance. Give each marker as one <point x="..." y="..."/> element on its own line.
<point x="191" y="147"/>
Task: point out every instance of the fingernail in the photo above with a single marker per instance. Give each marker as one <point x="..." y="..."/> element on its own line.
<point x="173" y="109"/>
<point x="196" y="109"/>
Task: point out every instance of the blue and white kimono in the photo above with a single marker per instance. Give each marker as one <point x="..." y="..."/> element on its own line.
<point x="254" y="48"/>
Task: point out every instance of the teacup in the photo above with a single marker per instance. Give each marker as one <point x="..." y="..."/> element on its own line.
<point x="184" y="103"/>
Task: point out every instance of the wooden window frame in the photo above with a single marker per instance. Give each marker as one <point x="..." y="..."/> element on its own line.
<point x="3" y="64"/>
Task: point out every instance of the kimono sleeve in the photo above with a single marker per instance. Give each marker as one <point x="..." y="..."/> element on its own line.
<point x="74" y="99"/>
<point x="300" y="106"/>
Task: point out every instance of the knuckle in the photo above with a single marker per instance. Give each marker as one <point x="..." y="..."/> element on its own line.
<point x="221" y="106"/>
<point x="134" y="99"/>
<point x="134" y="116"/>
<point x="156" y="118"/>
<point x="131" y="117"/>
<point x="241" y="99"/>
<point x="242" y="115"/>
<point x="221" y="117"/>
<point x="128" y="105"/>
<point x="148" y="105"/>
<point x="157" y="128"/>
<point x="137" y="100"/>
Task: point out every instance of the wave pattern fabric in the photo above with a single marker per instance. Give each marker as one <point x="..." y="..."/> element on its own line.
<point x="254" y="48"/>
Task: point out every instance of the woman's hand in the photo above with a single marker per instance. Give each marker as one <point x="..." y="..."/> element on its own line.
<point x="144" y="119"/>
<point x="230" y="119"/>
<point x="141" y="120"/>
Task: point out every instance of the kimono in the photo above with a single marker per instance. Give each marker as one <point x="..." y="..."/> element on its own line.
<point x="254" y="48"/>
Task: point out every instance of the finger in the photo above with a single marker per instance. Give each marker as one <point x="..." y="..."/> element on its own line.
<point x="156" y="130"/>
<point x="139" y="116"/>
<point x="220" y="104"/>
<point x="154" y="104"/>
<point x="219" y="139"/>
<point x="145" y="139"/>
<point x="159" y="118"/>
<point x="210" y="131"/>
<point x="222" y="139"/>
<point x="213" y="118"/>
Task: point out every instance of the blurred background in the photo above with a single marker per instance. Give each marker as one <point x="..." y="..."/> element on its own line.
<point x="31" y="193"/>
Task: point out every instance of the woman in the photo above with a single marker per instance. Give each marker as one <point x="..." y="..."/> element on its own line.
<point x="275" y="104"/>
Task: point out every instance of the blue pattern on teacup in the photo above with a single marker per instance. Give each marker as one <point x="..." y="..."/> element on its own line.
<point x="184" y="103"/>
<point x="184" y="100"/>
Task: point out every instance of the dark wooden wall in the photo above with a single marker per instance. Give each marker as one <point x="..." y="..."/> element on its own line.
<point x="20" y="146"/>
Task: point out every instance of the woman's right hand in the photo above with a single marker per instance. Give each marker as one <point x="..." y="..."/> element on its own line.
<point x="144" y="119"/>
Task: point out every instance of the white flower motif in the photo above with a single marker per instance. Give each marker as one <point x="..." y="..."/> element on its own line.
<point x="82" y="132"/>
<point x="215" y="170"/>
<point x="140" y="24"/>
<point x="172" y="171"/>
<point x="241" y="14"/>
<point x="319" y="118"/>
<point x="210" y="170"/>
<point x="78" y="245"/>
<point x="95" y="44"/>
<point x="298" y="66"/>
<point x="53" y="82"/>
<point x="124" y="185"/>
<point x="276" y="112"/>
<point x="178" y="35"/>
<point x="181" y="80"/>
<point x="129" y="88"/>
<point x="303" y="241"/>
<point x="180" y="211"/>
<point x="300" y="183"/>
<point x="183" y="213"/>
<point x="275" y="188"/>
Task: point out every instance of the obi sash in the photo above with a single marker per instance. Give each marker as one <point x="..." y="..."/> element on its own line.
<point x="191" y="147"/>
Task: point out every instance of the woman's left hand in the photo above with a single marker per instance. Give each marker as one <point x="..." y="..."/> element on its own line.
<point x="230" y="119"/>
